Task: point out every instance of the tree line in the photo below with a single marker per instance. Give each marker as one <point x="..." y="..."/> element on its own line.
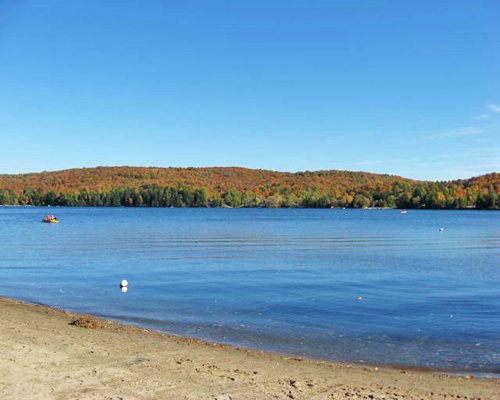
<point x="400" y="194"/>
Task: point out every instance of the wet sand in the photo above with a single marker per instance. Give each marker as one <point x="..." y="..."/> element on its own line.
<point x="53" y="354"/>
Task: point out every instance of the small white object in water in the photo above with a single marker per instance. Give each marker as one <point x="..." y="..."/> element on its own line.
<point x="360" y="298"/>
<point x="441" y="229"/>
<point x="123" y="283"/>
<point x="124" y="289"/>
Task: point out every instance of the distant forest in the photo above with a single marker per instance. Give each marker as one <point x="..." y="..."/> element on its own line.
<point x="240" y="187"/>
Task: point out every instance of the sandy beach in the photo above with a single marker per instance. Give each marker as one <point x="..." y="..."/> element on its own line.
<point x="53" y="354"/>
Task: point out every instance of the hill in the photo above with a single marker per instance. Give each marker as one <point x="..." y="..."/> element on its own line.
<point x="241" y="187"/>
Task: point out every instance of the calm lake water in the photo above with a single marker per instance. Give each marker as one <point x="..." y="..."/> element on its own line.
<point x="372" y="286"/>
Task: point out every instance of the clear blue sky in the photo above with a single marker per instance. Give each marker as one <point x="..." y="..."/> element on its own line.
<point x="401" y="87"/>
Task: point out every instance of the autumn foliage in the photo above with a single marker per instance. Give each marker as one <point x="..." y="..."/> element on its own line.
<point x="240" y="187"/>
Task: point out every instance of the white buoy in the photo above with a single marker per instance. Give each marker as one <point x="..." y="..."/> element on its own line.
<point x="441" y="229"/>
<point x="124" y="289"/>
<point x="123" y="283"/>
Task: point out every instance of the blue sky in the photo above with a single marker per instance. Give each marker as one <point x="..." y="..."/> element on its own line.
<point x="398" y="87"/>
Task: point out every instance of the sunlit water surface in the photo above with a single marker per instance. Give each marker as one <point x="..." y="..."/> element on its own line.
<point x="372" y="286"/>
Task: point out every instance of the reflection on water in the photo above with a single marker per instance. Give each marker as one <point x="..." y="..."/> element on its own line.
<point x="356" y="285"/>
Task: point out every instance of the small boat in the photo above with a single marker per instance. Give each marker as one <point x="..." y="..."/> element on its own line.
<point x="403" y="211"/>
<point x="50" y="219"/>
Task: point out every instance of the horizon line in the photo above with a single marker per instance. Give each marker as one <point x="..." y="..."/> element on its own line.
<point x="245" y="168"/>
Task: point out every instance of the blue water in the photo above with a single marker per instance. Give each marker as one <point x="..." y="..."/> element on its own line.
<point x="372" y="286"/>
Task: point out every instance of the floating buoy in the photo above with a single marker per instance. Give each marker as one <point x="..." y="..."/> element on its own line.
<point x="360" y="298"/>
<point x="123" y="283"/>
<point x="124" y="289"/>
<point x="441" y="229"/>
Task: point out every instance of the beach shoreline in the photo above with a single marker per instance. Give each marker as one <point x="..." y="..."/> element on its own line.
<point x="54" y="354"/>
<point x="110" y="321"/>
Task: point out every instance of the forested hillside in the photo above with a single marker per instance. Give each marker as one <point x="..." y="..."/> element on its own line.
<point x="240" y="187"/>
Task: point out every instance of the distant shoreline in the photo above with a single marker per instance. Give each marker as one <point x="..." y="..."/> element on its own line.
<point x="83" y="357"/>
<point x="241" y="187"/>
<point x="260" y="208"/>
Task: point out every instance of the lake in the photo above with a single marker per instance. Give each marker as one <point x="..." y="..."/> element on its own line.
<point x="369" y="286"/>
